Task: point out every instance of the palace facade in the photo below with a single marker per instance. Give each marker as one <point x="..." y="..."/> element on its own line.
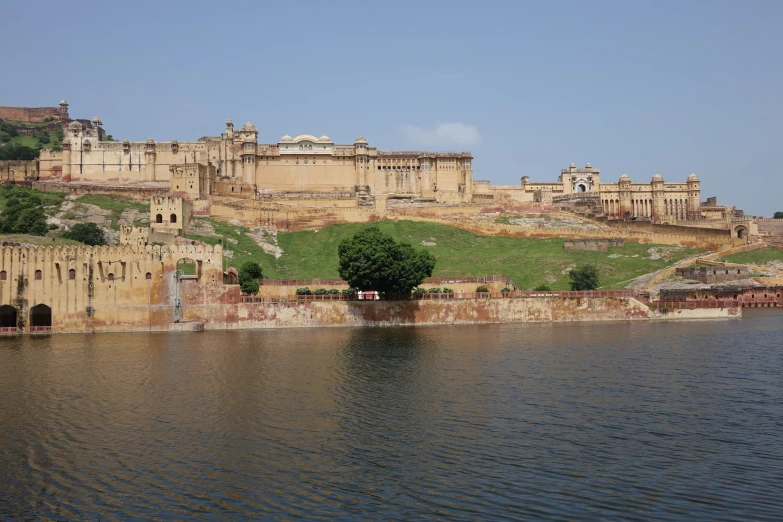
<point x="238" y="163"/>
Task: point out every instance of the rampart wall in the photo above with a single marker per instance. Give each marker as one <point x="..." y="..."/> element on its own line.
<point x="29" y="114"/>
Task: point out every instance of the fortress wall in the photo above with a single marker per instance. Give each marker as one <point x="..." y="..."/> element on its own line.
<point x="138" y="193"/>
<point x="18" y="170"/>
<point x="775" y="226"/>
<point x="290" y="290"/>
<point x="29" y="114"/>
<point x="94" y="288"/>
<point x="415" y="312"/>
<point x="496" y="229"/>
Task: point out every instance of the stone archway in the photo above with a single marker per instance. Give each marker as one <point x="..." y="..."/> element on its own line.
<point x="40" y="317"/>
<point x="8" y="316"/>
<point x="741" y="232"/>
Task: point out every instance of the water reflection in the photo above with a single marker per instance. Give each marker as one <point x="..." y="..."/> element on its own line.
<point x="558" y="421"/>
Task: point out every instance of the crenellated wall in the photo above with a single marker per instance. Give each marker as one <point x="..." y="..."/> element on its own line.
<point x="101" y="288"/>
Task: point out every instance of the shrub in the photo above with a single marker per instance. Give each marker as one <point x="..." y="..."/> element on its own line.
<point x="448" y="290"/>
<point x="418" y="292"/>
<point x="505" y="290"/>
<point x="434" y="291"/>
<point x="333" y="291"/>
<point x="249" y="286"/>
<point x="320" y="291"/>
<point x="31" y="220"/>
<point x="584" y="277"/>
<point x="349" y="293"/>
<point x="304" y="291"/>
<point x="250" y="270"/>
<point x="87" y="233"/>
<point x="482" y="289"/>
<point x="543" y="287"/>
<point x="249" y="274"/>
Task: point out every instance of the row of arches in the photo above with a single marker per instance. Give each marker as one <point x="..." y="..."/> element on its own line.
<point x="159" y="218"/>
<point x="678" y="208"/>
<point x="40" y="316"/>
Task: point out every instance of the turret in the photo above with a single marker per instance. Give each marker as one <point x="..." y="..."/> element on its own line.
<point x="64" y="110"/>
<point x="625" y="196"/>
<point x="249" y="136"/>
<point x="659" y="206"/>
<point x="229" y="129"/>
<point x="150" y="159"/>
<point x="362" y="164"/>
<point x="694" y="196"/>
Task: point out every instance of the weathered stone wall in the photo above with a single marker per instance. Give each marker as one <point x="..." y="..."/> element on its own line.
<point x="713" y="274"/>
<point x="100" y="288"/>
<point x="775" y="226"/>
<point x="216" y="313"/>
<point x="599" y="245"/>
<point x="13" y="170"/>
<point x="29" y="114"/>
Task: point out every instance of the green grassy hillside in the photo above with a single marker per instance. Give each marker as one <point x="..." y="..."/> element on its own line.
<point x="527" y="262"/>
<point x="756" y="257"/>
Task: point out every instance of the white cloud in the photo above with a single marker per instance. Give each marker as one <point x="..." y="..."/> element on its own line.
<point x="443" y="135"/>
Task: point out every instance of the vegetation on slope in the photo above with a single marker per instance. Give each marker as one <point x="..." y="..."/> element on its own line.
<point x="116" y="206"/>
<point x="527" y="262"/>
<point x="17" y="146"/>
<point x="755" y="257"/>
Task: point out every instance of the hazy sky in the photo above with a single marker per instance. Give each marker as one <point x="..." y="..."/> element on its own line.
<point x="636" y="87"/>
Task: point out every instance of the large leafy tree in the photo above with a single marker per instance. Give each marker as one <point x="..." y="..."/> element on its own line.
<point x="584" y="277"/>
<point x="372" y="260"/>
<point x="778" y="215"/>
<point x="87" y="233"/>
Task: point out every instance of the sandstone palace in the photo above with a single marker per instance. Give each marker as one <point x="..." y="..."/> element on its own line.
<point x="235" y="164"/>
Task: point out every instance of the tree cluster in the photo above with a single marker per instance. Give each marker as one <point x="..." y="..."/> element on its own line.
<point x="17" y="152"/>
<point x="87" y="233"/>
<point x="23" y="213"/>
<point x="374" y="261"/>
<point x="584" y="277"/>
<point x="778" y="215"/>
<point x="249" y="274"/>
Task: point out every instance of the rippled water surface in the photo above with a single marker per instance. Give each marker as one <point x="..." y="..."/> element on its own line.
<point x="649" y="421"/>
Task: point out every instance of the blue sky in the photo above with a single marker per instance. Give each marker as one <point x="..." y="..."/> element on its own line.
<point x="636" y="87"/>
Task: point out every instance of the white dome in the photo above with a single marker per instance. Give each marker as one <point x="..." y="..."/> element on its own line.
<point x="249" y="127"/>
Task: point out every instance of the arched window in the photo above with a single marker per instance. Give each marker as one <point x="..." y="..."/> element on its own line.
<point x="173" y="218"/>
<point x="71" y="274"/>
<point x="159" y="218"/>
<point x="110" y="277"/>
<point x="38" y="275"/>
<point x="3" y="276"/>
<point x="148" y="276"/>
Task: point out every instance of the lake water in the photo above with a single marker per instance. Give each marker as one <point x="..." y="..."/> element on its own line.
<point x="642" y="421"/>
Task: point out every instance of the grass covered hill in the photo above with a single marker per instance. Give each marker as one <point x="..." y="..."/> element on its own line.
<point x="756" y="257"/>
<point x="527" y="262"/>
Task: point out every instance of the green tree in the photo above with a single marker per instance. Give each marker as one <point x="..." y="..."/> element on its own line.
<point x="584" y="277"/>
<point x="372" y="260"/>
<point x="87" y="233"/>
<point x="778" y="215"/>
<point x="31" y="220"/>
<point x="17" y="152"/>
<point x="249" y="274"/>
